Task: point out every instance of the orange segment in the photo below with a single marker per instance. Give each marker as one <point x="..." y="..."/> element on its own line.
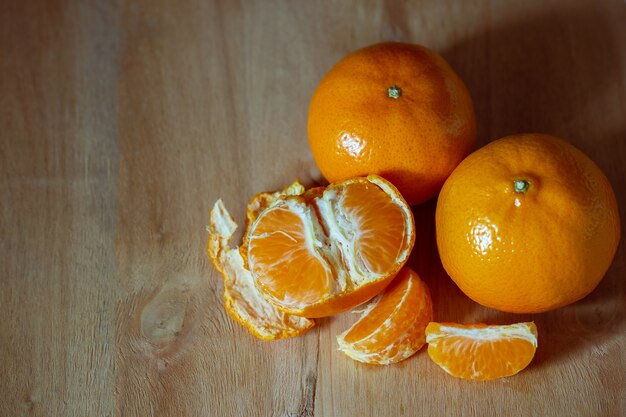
<point x="392" y="328"/>
<point x="330" y="249"/>
<point x="479" y="351"/>
<point x="381" y="221"/>
<point x="282" y="234"/>
<point x="242" y="300"/>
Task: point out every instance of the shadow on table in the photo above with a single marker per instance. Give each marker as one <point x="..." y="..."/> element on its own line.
<point x="542" y="74"/>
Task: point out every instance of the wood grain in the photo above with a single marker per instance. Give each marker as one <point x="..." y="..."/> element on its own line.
<point x="122" y="122"/>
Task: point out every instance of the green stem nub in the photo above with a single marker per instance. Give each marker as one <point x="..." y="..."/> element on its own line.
<point x="394" y="92"/>
<point x="521" y="186"/>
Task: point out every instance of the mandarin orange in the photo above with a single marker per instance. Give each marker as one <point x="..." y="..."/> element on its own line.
<point x="331" y="248"/>
<point x="527" y="224"/>
<point x="396" y="110"/>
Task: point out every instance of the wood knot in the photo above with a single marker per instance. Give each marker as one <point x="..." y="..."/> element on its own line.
<point x="163" y="317"/>
<point x="30" y="401"/>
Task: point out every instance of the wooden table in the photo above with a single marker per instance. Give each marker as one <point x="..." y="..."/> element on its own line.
<point x="122" y="122"/>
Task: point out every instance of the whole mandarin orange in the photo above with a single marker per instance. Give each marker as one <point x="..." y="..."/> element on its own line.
<point x="396" y="110"/>
<point x="527" y="224"/>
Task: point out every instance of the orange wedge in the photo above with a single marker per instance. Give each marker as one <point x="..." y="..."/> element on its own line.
<point x="479" y="351"/>
<point x="392" y="327"/>
<point x="331" y="248"/>
<point x="242" y="300"/>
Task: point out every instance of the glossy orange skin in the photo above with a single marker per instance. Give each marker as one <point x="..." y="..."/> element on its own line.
<point x="532" y="251"/>
<point x="415" y="140"/>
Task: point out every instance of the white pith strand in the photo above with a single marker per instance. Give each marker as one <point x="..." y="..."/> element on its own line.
<point x="515" y="331"/>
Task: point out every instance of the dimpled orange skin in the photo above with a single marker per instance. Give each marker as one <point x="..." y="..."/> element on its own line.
<point x="415" y="140"/>
<point x="540" y="247"/>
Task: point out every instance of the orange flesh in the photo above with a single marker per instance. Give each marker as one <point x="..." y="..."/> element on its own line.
<point x="392" y="328"/>
<point x="481" y="352"/>
<point x="306" y="251"/>
<point x="381" y="311"/>
<point x="282" y="235"/>
<point x="381" y="224"/>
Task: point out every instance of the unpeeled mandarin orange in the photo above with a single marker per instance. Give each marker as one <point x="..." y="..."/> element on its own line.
<point x="396" y="110"/>
<point x="527" y="224"/>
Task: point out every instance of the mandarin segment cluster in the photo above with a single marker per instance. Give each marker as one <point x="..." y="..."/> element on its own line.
<point x="526" y="224"/>
<point x="331" y="249"/>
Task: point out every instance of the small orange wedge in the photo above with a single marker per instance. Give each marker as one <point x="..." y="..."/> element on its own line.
<point x="331" y="248"/>
<point x="480" y="351"/>
<point x="392" y="327"/>
<point x="242" y="300"/>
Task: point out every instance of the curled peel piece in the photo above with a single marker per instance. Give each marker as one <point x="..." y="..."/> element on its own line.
<point x="242" y="300"/>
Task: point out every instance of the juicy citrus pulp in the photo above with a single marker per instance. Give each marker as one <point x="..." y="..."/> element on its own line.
<point x="479" y="351"/>
<point x="330" y="249"/>
<point x="392" y="327"/>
